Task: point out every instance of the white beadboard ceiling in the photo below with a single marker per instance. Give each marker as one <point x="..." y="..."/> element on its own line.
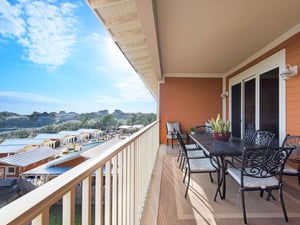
<point x="194" y="37"/>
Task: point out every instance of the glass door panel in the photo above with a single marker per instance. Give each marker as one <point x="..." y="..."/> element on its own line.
<point x="249" y="104"/>
<point x="269" y="101"/>
<point x="236" y="110"/>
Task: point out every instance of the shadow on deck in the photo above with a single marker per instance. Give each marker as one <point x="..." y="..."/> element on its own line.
<point x="166" y="204"/>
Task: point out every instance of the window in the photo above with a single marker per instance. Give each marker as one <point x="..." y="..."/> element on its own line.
<point x="11" y="170"/>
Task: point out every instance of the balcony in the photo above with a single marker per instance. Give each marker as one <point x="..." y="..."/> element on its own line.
<point x="199" y="207"/>
<point x="145" y="187"/>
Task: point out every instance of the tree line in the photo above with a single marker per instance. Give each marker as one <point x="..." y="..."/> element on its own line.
<point x="104" y="123"/>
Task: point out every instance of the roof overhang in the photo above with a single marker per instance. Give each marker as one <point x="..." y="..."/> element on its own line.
<point x="195" y="38"/>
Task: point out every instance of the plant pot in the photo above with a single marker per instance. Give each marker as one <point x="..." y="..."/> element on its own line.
<point x="221" y="136"/>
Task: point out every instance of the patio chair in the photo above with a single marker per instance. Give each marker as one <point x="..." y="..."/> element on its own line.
<point x="261" y="170"/>
<point x="259" y="137"/>
<point x="294" y="157"/>
<point x="249" y="135"/>
<point x="263" y="138"/>
<point x="194" y="151"/>
<point x="172" y="127"/>
<point x="203" y="129"/>
<point x="198" y="165"/>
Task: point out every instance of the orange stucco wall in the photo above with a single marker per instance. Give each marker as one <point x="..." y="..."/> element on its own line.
<point x="292" y="46"/>
<point x="191" y="101"/>
<point x="293" y="88"/>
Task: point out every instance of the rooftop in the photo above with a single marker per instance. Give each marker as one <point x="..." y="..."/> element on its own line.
<point x="29" y="157"/>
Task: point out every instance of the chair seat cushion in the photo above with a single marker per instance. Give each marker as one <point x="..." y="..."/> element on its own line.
<point x="290" y="170"/>
<point x="202" y="165"/>
<point x="191" y="147"/>
<point x="195" y="154"/>
<point x="170" y="136"/>
<point x="252" y="182"/>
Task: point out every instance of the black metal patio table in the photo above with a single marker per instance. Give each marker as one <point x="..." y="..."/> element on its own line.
<point x="220" y="150"/>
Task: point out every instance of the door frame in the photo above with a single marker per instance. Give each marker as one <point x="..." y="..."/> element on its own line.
<point x="275" y="60"/>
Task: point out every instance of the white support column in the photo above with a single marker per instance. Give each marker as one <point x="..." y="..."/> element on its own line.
<point x="69" y="208"/>
<point x="99" y="197"/>
<point x="86" y="201"/>
<point x="107" y="193"/>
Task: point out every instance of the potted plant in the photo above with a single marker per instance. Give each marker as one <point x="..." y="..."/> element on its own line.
<point x="220" y="128"/>
<point x="193" y="130"/>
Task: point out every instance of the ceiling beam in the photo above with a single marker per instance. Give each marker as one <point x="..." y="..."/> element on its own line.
<point x="105" y="3"/>
<point x="121" y="20"/>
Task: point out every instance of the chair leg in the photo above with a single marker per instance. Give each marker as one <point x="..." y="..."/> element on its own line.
<point x="244" y="207"/>
<point x="261" y="193"/>
<point x="282" y="204"/>
<point x="270" y="195"/>
<point x="188" y="183"/>
<point x="185" y="172"/>
<point x="211" y="178"/>
<point x="219" y="182"/>
<point x="182" y="163"/>
<point x="181" y="160"/>
<point x="179" y="154"/>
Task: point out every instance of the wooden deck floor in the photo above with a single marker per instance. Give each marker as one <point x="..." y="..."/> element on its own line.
<point x="166" y="204"/>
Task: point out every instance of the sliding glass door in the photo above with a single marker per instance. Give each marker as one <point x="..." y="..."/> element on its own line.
<point x="269" y="101"/>
<point x="258" y="98"/>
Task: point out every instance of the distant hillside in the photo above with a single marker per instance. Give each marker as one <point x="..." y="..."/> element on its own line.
<point x="12" y="121"/>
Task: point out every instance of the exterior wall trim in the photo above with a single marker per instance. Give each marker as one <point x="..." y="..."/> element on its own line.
<point x="276" y="60"/>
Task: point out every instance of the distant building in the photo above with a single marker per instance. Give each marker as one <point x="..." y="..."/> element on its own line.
<point x="13" y="166"/>
<point x="18" y="145"/>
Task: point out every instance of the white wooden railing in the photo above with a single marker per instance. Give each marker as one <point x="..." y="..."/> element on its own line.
<point x="118" y="199"/>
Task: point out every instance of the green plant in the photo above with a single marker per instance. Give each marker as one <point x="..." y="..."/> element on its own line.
<point x="219" y="126"/>
<point x="193" y="129"/>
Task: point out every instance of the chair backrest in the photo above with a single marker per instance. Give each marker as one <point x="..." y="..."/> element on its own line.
<point x="264" y="162"/>
<point x="208" y="127"/>
<point x="181" y="143"/>
<point x="249" y="135"/>
<point x="203" y="129"/>
<point x="292" y="140"/>
<point x="263" y="138"/>
<point x="173" y="126"/>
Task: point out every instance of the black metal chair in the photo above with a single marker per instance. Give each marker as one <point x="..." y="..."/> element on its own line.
<point x="259" y="137"/>
<point x="261" y="170"/>
<point x="249" y="135"/>
<point x="263" y="137"/>
<point x="200" y="129"/>
<point x="198" y="165"/>
<point x="194" y="151"/>
<point x="294" y="158"/>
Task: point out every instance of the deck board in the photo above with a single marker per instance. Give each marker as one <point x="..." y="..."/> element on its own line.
<point x="199" y="207"/>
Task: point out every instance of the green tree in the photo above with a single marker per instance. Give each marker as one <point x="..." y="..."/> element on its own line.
<point x="108" y="122"/>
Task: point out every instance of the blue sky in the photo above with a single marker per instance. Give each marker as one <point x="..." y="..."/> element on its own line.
<point x="56" y="55"/>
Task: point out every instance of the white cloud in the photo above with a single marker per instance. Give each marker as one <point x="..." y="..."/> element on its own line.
<point x="27" y="97"/>
<point x="45" y="30"/>
<point x="133" y="89"/>
<point x="11" y="22"/>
